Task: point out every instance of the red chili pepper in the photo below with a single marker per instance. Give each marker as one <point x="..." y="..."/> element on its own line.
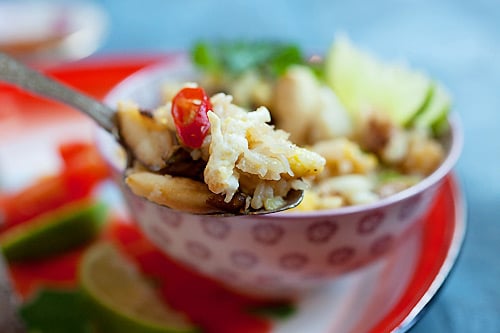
<point x="189" y="110"/>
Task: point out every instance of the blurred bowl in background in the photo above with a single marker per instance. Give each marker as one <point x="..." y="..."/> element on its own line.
<point x="282" y="254"/>
<point x="51" y="32"/>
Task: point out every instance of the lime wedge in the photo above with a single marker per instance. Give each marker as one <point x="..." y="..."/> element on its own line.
<point x="57" y="231"/>
<point x="362" y="82"/>
<point x="120" y="298"/>
<point x="436" y="110"/>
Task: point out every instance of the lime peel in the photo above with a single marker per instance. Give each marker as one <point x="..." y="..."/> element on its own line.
<point x="54" y="232"/>
<point x="364" y="83"/>
<point x="121" y="299"/>
<point x="435" y="111"/>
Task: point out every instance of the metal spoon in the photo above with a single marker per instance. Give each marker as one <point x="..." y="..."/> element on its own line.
<point x="24" y="77"/>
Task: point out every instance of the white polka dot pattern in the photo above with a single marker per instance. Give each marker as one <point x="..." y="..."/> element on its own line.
<point x="267" y="233"/>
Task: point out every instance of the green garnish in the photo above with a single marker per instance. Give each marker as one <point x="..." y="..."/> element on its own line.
<point x="388" y="175"/>
<point x="56" y="311"/>
<point x="55" y="232"/>
<point x="391" y="176"/>
<point x="235" y="58"/>
<point x="279" y="310"/>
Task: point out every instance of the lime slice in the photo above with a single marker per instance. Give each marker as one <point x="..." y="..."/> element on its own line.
<point x="436" y="110"/>
<point x="121" y="299"/>
<point x="57" y="231"/>
<point x="362" y="82"/>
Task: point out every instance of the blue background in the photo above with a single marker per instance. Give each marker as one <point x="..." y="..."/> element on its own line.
<point x="457" y="42"/>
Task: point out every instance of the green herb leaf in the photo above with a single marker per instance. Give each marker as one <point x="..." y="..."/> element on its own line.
<point x="56" y="311"/>
<point x="280" y="310"/>
<point x="205" y="57"/>
<point x="235" y="58"/>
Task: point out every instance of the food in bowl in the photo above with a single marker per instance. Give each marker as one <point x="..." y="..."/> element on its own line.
<point x="378" y="125"/>
<point x="290" y="253"/>
<point x="206" y="155"/>
<point x="362" y="130"/>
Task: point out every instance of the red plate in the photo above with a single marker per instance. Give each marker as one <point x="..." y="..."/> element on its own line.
<point x="387" y="296"/>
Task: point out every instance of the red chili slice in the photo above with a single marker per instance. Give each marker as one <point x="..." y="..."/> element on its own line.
<point x="189" y="110"/>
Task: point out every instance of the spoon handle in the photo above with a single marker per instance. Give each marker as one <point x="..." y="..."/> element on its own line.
<point x="22" y="76"/>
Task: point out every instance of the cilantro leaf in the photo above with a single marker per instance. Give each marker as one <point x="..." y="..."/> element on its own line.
<point x="234" y="58"/>
<point x="56" y="311"/>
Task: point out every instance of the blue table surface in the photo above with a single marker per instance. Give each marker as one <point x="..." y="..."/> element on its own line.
<point x="457" y="42"/>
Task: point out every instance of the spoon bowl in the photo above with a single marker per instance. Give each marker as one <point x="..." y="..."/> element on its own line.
<point x="16" y="73"/>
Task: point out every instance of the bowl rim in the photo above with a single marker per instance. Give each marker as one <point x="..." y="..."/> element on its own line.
<point x="179" y="61"/>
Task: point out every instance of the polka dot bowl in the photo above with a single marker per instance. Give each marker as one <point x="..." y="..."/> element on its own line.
<point x="281" y="254"/>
